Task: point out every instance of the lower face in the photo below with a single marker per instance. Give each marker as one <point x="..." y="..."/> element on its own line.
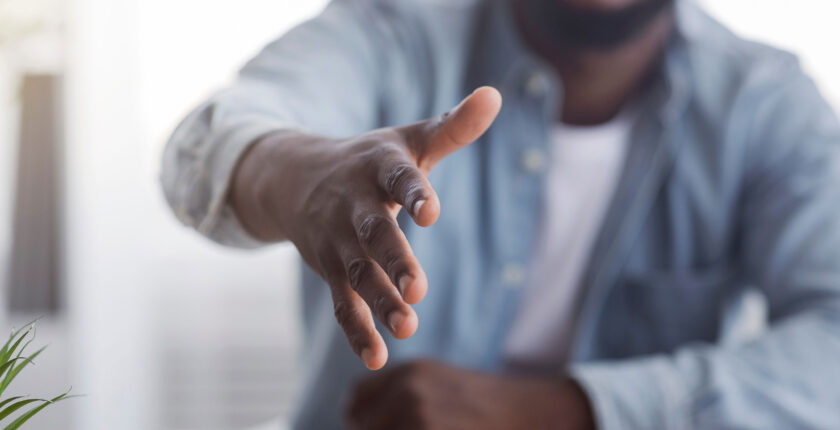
<point x="599" y="4"/>
<point x="596" y="24"/>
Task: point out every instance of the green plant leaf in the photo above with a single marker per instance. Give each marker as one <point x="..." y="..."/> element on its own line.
<point x="29" y="414"/>
<point x="9" y="342"/>
<point x="14" y="334"/>
<point x="10" y="363"/>
<point x="9" y="400"/>
<point x="17" y="405"/>
<point x="11" y="350"/>
<point x="25" y="345"/>
<point x="4" y="353"/>
<point x="13" y="372"/>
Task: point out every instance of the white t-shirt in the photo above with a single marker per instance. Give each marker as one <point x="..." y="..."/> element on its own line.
<point x="583" y="173"/>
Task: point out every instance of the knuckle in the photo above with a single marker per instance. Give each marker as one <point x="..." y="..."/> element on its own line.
<point x="373" y="228"/>
<point x="399" y="178"/>
<point x="346" y="316"/>
<point x="380" y="305"/>
<point x="393" y="260"/>
<point x="357" y="271"/>
<point x="343" y="313"/>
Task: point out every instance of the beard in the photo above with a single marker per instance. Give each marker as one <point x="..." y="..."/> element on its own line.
<point x="592" y="28"/>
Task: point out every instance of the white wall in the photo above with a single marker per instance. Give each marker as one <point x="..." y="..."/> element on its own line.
<point x="807" y="27"/>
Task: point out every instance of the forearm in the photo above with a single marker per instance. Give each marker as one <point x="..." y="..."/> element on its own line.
<point x="247" y="196"/>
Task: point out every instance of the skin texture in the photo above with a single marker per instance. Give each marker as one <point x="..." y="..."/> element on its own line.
<point x="428" y="395"/>
<point x="337" y="201"/>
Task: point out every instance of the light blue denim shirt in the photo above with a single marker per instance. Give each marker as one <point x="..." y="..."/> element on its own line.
<point x="732" y="182"/>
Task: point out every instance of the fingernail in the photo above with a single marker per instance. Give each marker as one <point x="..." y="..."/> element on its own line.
<point x="417" y="205"/>
<point x="404" y="281"/>
<point x="394" y="320"/>
<point x="367" y="356"/>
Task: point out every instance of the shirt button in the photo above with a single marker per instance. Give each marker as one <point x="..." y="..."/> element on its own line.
<point x="534" y="160"/>
<point x="513" y="275"/>
<point x="535" y="85"/>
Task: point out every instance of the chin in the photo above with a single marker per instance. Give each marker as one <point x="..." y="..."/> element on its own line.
<point x="600" y="4"/>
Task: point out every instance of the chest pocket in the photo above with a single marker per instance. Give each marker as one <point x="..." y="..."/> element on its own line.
<point x="658" y="311"/>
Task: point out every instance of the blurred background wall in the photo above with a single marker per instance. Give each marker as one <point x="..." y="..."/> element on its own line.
<point x="159" y="328"/>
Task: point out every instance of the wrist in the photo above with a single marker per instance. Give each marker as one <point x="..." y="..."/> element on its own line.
<point x="254" y="190"/>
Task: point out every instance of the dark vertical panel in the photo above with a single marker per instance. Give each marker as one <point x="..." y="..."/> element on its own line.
<point x="35" y="271"/>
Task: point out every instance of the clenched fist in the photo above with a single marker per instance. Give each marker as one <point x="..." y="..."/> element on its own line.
<point x="337" y="201"/>
<point x="430" y="395"/>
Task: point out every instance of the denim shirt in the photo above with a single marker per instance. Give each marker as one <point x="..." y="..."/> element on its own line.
<point x="731" y="184"/>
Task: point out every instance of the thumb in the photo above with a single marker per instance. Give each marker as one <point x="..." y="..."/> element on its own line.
<point x="438" y="137"/>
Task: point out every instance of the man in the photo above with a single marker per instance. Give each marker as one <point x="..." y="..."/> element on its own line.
<point x="574" y="267"/>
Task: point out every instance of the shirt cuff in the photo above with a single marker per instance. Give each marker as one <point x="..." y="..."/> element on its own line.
<point x="643" y="394"/>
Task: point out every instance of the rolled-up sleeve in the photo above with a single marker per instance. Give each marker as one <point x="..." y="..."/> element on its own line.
<point x="789" y="242"/>
<point x="320" y="77"/>
<point x="197" y="168"/>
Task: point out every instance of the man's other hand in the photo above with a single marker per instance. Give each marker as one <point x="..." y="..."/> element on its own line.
<point x="428" y="395"/>
<point x="337" y="201"/>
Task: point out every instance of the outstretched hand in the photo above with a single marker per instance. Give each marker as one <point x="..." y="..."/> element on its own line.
<point x="337" y="201"/>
